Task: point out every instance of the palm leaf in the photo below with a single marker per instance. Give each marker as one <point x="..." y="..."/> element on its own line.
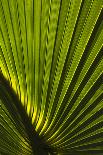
<point x="51" y="77"/>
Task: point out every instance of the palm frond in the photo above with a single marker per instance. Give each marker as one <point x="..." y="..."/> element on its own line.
<point x="51" y="77"/>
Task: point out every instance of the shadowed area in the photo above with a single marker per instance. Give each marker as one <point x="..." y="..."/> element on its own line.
<point x="21" y="119"/>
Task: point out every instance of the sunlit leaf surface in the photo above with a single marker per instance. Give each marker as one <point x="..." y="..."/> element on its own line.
<point x="51" y="77"/>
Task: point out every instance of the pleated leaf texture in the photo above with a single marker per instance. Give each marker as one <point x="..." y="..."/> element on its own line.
<point x="51" y="77"/>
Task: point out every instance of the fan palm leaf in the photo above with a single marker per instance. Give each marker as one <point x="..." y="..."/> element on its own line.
<point x="51" y="77"/>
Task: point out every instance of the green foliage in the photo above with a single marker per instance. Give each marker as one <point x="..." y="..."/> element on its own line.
<point x="51" y="57"/>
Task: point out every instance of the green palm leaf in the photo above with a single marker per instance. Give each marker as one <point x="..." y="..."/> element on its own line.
<point x="51" y="77"/>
